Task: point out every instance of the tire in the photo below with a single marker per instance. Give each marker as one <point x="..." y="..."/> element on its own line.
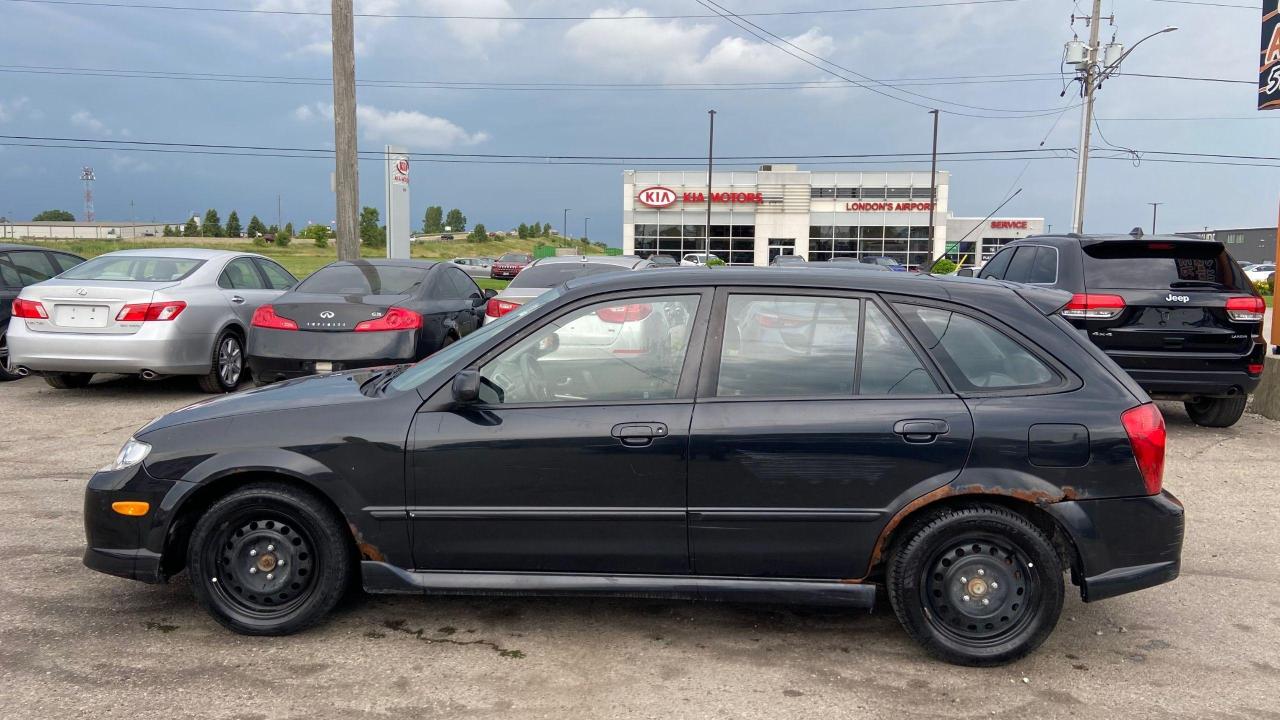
<point x="226" y="364"/>
<point x="67" y="381"/>
<point x="6" y="368"/>
<point x="283" y="527"/>
<point x="946" y="563"/>
<point x="1216" y="412"/>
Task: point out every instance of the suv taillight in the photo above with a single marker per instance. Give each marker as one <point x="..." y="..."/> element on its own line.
<point x="1248" y="308"/>
<point x="144" y="312"/>
<point x="395" y="319"/>
<point x="1145" y="427"/>
<point x="29" y="309"/>
<point x="265" y="317"/>
<point x="1091" y="306"/>
<point x="496" y="308"/>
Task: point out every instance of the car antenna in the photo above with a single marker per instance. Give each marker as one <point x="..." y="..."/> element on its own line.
<point x="981" y="222"/>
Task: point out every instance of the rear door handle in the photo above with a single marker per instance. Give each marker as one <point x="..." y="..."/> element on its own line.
<point x="920" y="431"/>
<point x="237" y="299"/>
<point x="639" y="434"/>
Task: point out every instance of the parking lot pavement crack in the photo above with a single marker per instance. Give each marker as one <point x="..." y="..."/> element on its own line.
<point x="421" y="634"/>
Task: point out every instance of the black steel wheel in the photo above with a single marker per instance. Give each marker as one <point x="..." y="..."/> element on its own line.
<point x="977" y="585"/>
<point x="269" y="560"/>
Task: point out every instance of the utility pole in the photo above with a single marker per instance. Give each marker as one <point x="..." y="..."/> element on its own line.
<point x="1086" y="117"/>
<point x="346" y="175"/>
<point x="585" y="220"/>
<point x="564" y="224"/>
<point x="279" y="224"/>
<point x="933" y="181"/>
<point x="1153" y="216"/>
<point x="711" y="145"/>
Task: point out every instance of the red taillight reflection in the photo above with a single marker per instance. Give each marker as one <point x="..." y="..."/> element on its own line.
<point x="619" y="314"/>
<point x="779" y="322"/>
<point x="1145" y="427"/>
<point x="496" y="308"/>
<point x="29" y="309"/>
<point x="265" y="317"/>
<point x="1248" y="308"/>
<point x="1092" y="306"/>
<point x="395" y="319"/>
<point x="143" y="312"/>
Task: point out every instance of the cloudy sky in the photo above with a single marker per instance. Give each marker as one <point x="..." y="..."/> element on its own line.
<point x="685" y="65"/>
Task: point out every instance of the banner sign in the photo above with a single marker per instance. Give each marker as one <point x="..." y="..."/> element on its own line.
<point x="1269" y="66"/>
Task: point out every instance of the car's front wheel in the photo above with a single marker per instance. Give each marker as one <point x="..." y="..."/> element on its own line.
<point x="1216" y="412"/>
<point x="977" y="585"/>
<point x="269" y="559"/>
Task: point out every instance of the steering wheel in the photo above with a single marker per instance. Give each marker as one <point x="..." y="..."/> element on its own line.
<point x="534" y="378"/>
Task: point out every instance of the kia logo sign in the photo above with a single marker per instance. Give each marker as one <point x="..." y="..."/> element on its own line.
<point x="657" y="197"/>
<point x="402" y="166"/>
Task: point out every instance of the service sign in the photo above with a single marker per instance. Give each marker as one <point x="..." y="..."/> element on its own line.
<point x="1269" y="64"/>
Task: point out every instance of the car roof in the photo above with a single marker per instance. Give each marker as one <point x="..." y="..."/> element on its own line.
<point x="187" y="253"/>
<point x="622" y="260"/>
<point x="387" y="262"/>
<point x="1086" y="240"/>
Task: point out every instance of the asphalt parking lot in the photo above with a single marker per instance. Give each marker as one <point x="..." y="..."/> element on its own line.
<point x="74" y="643"/>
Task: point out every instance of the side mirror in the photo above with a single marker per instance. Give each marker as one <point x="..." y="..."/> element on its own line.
<point x="490" y="293"/>
<point x="466" y="386"/>
<point x="964" y="272"/>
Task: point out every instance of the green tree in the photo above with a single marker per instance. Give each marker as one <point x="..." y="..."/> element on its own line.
<point x="255" y="229"/>
<point x="535" y="230"/>
<point x="370" y="233"/>
<point x="54" y="216"/>
<point x="288" y="229"/>
<point x="284" y="237"/>
<point x="233" y="225"/>
<point x="315" y="232"/>
<point x="523" y="231"/>
<point x="191" y="229"/>
<point x="167" y="232"/>
<point x="546" y="229"/>
<point x="455" y="220"/>
<point x="479" y="234"/>
<point x="433" y="220"/>
<point x="212" y="226"/>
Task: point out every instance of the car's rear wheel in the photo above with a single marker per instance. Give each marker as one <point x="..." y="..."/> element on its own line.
<point x="269" y="559"/>
<point x="1216" y="412"/>
<point x="226" y="366"/>
<point x="67" y="381"/>
<point x="7" y="370"/>
<point x="977" y="585"/>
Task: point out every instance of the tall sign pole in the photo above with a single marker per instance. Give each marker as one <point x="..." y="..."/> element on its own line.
<point x="346" y="175"/>
<point x="396" y="168"/>
<point x="711" y="145"/>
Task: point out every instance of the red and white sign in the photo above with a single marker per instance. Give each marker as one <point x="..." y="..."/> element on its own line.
<point x="1009" y="224"/>
<point x="888" y="206"/>
<point x="657" y="196"/>
<point x="753" y="198"/>
<point x="400" y="171"/>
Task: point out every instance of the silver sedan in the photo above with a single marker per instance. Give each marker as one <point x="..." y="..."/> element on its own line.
<point x="172" y="311"/>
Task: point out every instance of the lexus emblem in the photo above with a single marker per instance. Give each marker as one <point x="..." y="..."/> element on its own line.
<point x="81" y="292"/>
<point x="327" y="314"/>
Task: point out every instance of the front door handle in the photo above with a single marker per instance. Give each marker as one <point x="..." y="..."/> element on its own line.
<point x="920" y="431"/>
<point x="639" y="434"/>
<point x="237" y="299"/>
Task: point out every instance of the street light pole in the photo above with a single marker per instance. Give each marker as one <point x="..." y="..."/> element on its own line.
<point x="1154" y="206"/>
<point x="933" y="182"/>
<point x="711" y="143"/>
<point x="585" y="220"/>
<point x="564" y="224"/>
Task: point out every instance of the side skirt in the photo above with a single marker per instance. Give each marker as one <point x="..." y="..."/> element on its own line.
<point x="380" y="577"/>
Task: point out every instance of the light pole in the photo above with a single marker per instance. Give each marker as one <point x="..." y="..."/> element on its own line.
<point x="1154" y="206"/>
<point x="1092" y="78"/>
<point x="564" y="224"/>
<point x="585" y="220"/>
<point x="933" y="182"/>
<point x="711" y="143"/>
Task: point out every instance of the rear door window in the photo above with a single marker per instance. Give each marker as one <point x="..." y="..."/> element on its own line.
<point x="32" y="266"/>
<point x="64" y="261"/>
<point x="240" y="274"/>
<point x="1161" y="265"/>
<point x="974" y="355"/>
<point x="8" y="273"/>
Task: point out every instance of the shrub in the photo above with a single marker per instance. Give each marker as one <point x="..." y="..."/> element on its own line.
<point x="322" y="242"/>
<point x="944" y="266"/>
<point x="1268" y="286"/>
<point x="714" y="261"/>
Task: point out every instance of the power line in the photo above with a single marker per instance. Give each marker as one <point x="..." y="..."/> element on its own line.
<point x="417" y="16"/>
<point x="1209" y="4"/>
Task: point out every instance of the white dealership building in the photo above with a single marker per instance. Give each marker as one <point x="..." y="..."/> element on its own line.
<point x="780" y="209"/>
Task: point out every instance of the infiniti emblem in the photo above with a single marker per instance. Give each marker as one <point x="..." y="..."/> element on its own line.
<point x="326" y="314"/>
<point x="81" y="292"/>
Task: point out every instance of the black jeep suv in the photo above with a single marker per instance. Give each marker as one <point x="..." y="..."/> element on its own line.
<point x="1177" y="313"/>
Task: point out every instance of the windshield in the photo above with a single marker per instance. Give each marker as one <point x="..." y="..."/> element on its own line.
<point x="553" y="274"/>
<point x="135" y="268"/>
<point x="433" y="364"/>
<point x="514" y="257"/>
<point x="363" y="279"/>
<point x="1148" y="265"/>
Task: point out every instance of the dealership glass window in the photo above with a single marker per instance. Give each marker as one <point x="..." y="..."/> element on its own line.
<point x="921" y="231"/>
<point x="669" y="231"/>
<point x="873" y="193"/>
<point x="991" y="245"/>
<point x="872" y="231"/>
<point x="846" y="245"/>
<point x="646" y="243"/>
<point x="845" y="231"/>
<point x="744" y="231"/>
<point x="920" y="193"/>
<point x="895" y="231"/>
<point x="847" y="193"/>
<point x="646" y="230"/>
<point x="898" y="193"/>
<point x="822" y="192"/>
<point x="695" y="231"/>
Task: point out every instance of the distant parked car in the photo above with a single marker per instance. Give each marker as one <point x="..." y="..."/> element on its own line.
<point x="475" y="267"/>
<point x="663" y="261"/>
<point x="882" y="261"/>
<point x="20" y="266"/>
<point x="784" y="260"/>
<point x="546" y="273"/>
<point x="509" y="265"/>
<point x="446" y="236"/>
<point x="847" y="263"/>
<point x="170" y="311"/>
<point x="696" y="259"/>
<point x="1259" y="272"/>
<point x="363" y="313"/>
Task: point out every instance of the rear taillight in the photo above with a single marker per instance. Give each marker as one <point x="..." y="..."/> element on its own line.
<point x="143" y="312"/>
<point x="496" y="308"/>
<point x="1248" y="308"/>
<point x="1254" y="368"/>
<point x="29" y="309"/>
<point x="395" y="319"/>
<point x="1145" y="427"/>
<point x="1091" y="306"/>
<point x="265" y="317"/>
<point x="619" y="314"/>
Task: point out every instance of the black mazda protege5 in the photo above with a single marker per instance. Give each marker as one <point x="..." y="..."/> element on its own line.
<point x="786" y="435"/>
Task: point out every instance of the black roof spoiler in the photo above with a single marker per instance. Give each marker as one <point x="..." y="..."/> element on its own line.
<point x="1046" y="300"/>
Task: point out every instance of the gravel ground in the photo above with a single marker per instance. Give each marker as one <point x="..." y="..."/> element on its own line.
<point x="74" y="643"/>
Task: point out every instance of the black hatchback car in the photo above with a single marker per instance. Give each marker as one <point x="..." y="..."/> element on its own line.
<point x="20" y="266"/>
<point x="363" y="313"/>
<point x="1177" y="313"/>
<point x="783" y="435"/>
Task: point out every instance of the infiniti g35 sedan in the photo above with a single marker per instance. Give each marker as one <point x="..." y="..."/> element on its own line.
<point x="362" y="313"/>
<point x="785" y="435"/>
<point x="157" y="312"/>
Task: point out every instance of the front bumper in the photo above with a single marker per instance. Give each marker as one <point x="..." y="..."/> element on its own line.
<point x="1124" y="544"/>
<point x="156" y="346"/>
<point x="504" y="273"/>
<point x="284" y="354"/>
<point x="129" y="547"/>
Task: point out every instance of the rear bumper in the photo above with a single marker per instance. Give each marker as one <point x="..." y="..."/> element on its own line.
<point x="1192" y="382"/>
<point x="129" y="547"/>
<point x="283" y="354"/>
<point x="153" y="347"/>
<point x="1124" y="544"/>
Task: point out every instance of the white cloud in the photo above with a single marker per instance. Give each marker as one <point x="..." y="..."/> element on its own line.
<point x="675" y="50"/>
<point x="402" y="127"/>
<point x="85" y="120"/>
<point x="122" y="163"/>
<point x="9" y="109"/>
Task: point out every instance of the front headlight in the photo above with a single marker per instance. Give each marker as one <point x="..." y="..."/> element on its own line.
<point x="133" y="452"/>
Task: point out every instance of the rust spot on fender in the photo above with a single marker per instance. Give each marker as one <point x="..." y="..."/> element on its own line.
<point x="367" y="550"/>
